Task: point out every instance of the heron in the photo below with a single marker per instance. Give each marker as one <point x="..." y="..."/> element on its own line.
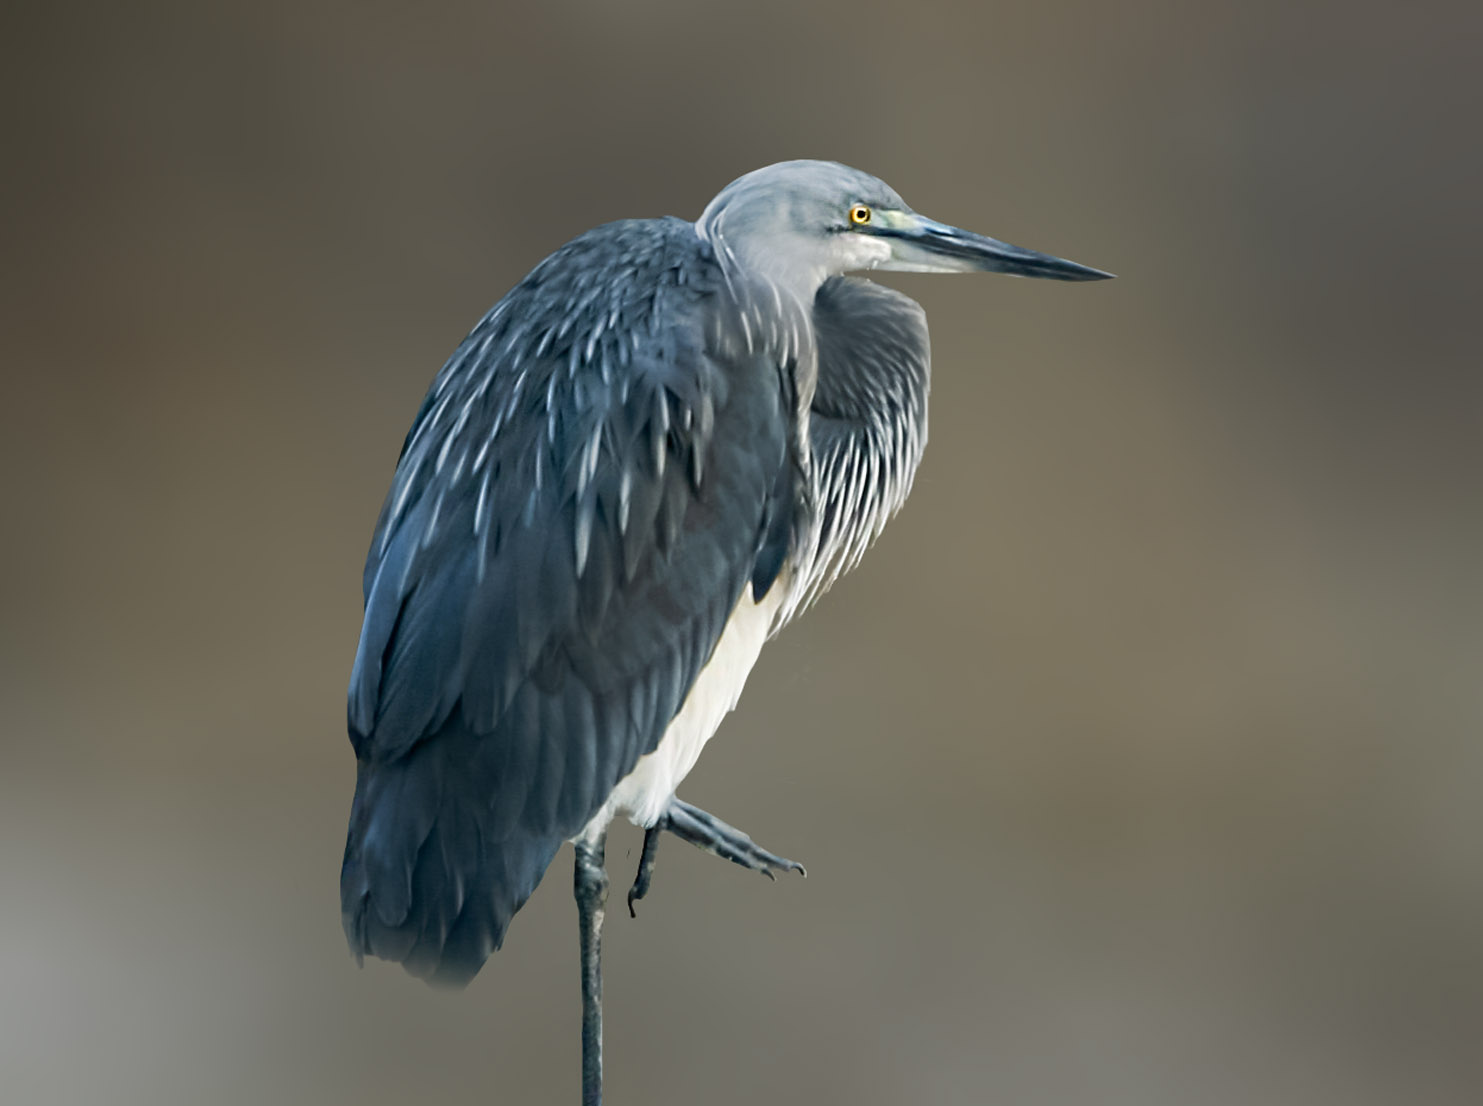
<point x="658" y="449"/>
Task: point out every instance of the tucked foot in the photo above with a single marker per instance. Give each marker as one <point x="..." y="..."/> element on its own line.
<point x="706" y="831"/>
<point x="640" y="886"/>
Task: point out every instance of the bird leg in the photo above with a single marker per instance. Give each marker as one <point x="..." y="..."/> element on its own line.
<point x="640" y="886"/>
<point x="707" y="832"/>
<point x="590" y="884"/>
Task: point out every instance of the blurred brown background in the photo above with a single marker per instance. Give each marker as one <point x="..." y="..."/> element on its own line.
<point x="1140" y="763"/>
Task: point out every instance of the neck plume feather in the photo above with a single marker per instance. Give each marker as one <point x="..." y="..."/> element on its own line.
<point x="867" y="425"/>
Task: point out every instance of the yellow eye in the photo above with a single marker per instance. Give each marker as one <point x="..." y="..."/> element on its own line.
<point x="859" y="214"/>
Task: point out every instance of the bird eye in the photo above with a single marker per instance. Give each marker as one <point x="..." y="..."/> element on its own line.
<point x="859" y="214"/>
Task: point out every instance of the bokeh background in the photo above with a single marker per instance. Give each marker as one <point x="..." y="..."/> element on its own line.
<point x="1141" y="761"/>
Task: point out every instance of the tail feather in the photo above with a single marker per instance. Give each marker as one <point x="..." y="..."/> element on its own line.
<point x="432" y="876"/>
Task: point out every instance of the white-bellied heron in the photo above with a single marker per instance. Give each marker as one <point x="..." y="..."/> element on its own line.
<point x="653" y="453"/>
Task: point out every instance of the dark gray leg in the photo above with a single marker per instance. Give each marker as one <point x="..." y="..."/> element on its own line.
<point x="591" y="886"/>
<point x="707" y="832"/>
<point x="640" y="886"/>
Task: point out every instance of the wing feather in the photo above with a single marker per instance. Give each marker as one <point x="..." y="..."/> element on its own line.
<point x="589" y="486"/>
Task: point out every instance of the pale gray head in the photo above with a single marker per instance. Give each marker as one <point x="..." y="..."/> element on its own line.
<point x="800" y="222"/>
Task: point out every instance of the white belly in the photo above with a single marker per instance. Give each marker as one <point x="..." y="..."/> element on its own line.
<point x="643" y="794"/>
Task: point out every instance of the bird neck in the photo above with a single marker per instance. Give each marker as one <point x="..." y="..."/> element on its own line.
<point x="770" y="308"/>
<point x="776" y="260"/>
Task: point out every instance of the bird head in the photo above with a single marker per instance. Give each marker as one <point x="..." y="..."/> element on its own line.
<point x="801" y="222"/>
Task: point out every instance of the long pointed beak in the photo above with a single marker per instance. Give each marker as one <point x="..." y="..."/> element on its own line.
<point x="923" y="245"/>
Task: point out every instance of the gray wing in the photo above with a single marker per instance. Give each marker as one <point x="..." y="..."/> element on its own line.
<point x="867" y="422"/>
<point x="585" y="494"/>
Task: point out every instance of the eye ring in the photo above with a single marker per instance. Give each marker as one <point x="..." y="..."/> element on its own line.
<point x="859" y="214"/>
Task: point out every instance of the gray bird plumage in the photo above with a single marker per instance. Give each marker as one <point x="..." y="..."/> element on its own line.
<point x="663" y="418"/>
<point x="867" y="425"/>
<point x="590" y="483"/>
